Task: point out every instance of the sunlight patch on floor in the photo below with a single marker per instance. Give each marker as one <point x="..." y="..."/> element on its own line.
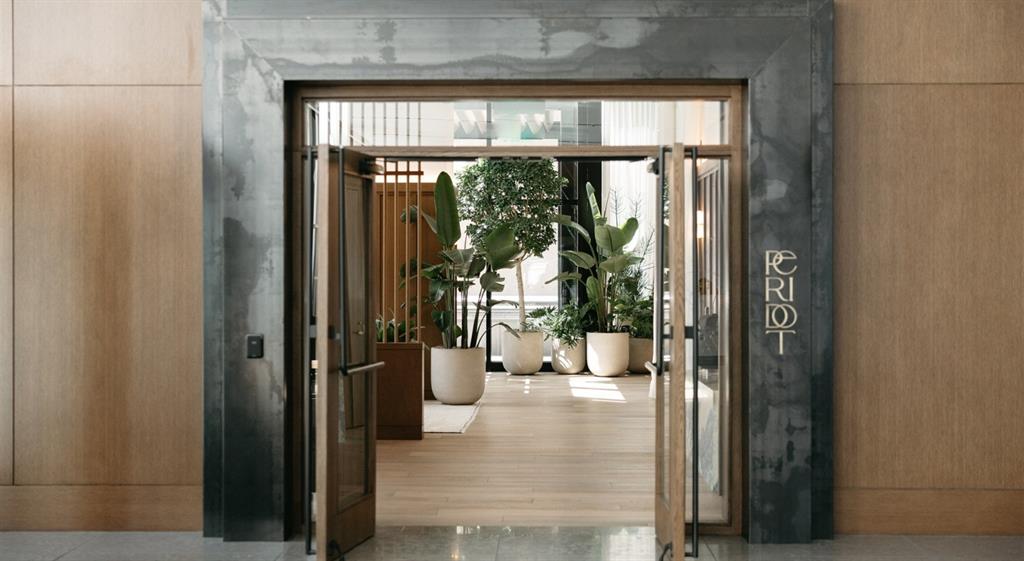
<point x="596" y="390"/>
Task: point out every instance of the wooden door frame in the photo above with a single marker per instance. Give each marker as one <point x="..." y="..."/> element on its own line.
<point x="734" y="93"/>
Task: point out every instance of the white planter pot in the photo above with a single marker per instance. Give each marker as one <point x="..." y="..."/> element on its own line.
<point x="641" y="351"/>
<point x="568" y="360"/>
<point x="523" y="354"/>
<point x="607" y="353"/>
<point x="457" y="375"/>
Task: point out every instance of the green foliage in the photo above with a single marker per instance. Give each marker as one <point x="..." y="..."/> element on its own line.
<point x="603" y="262"/>
<point x="446" y="225"/>
<point x="522" y="195"/>
<point x="461" y="268"/>
<point x="394" y="331"/>
<point x="634" y="303"/>
<point x="568" y="324"/>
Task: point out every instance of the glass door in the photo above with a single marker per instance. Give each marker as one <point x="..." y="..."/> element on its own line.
<point x="692" y="309"/>
<point x="345" y="362"/>
<point x="669" y="371"/>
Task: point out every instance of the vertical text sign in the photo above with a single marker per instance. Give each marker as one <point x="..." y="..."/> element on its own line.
<point x="779" y="312"/>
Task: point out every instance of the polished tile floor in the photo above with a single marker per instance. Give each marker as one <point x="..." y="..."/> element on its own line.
<point x="492" y="543"/>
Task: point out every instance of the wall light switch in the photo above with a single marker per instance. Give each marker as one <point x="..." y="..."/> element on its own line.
<point x="254" y="346"/>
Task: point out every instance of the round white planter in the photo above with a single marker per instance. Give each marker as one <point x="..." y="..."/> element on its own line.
<point x="457" y="375"/>
<point x="607" y="353"/>
<point x="640" y="351"/>
<point x="568" y="360"/>
<point x="523" y="354"/>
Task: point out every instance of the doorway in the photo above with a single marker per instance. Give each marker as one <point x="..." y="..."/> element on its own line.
<point x="714" y="261"/>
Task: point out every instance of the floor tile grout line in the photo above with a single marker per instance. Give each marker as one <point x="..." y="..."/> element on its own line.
<point x="73" y="549"/>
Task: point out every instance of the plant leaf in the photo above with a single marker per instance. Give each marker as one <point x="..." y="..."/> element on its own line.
<point x="592" y="289"/>
<point x="564" y="277"/>
<point x="565" y="220"/>
<point x="580" y="259"/>
<point x="500" y="248"/>
<point x="491" y="281"/>
<point x="476" y="266"/>
<point x="629" y="230"/>
<point x="511" y="331"/>
<point x="448" y="229"/>
<point x="410" y="213"/>
<point x="595" y="209"/>
<point x="617" y="263"/>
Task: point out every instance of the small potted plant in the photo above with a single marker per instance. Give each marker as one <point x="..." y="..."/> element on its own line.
<point x="458" y="366"/>
<point x="604" y="261"/>
<point x="523" y="196"/>
<point x="634" y="310"/>
<point x="567" y="328"/>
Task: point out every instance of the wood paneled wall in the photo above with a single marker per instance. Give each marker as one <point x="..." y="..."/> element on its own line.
<point x="929" y="265"/>
<point x="100" y="264"/>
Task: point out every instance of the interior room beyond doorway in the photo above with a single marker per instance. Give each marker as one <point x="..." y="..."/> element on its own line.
<point x="549" y="449"/>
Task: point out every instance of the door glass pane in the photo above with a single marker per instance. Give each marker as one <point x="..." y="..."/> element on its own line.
<point x="356" y="251"/>
<point x="712" y="294"/>
<point x="352" y="439"/>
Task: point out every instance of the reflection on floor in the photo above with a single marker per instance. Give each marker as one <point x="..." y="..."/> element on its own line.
<point x="543" y="450"/>
<point x="496" y="543"/>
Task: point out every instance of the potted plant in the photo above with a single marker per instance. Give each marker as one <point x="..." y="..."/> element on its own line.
<point x="458" y="366"/>
<point x="634" y="310"/>
<point x="567" y="327"/>
<point x="604" y="261"/>
<point x="523" y="196"/>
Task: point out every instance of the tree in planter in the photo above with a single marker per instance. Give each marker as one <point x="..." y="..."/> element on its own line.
<point x="522" y="195"/>
<point x="458" y="366"/>
<point x="604" y="261"/>
<point x="461" y="268"/>
<point x="602" y="264"/>
<point x="567" y="327"/>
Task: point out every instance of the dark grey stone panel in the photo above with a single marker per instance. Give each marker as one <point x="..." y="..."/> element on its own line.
<point x="505" y="49"/>
<point x="455" y="9"/>
<point x="779" y="415"/>
<point x="254" y="275"/>
<point x="213" y="279"/>
<point x="822" y="23"/>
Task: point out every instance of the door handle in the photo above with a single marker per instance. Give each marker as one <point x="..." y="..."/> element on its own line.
<point x="360" y="369"/>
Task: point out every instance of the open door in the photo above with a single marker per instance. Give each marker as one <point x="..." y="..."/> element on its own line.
<point x="670" y="368"/>
<point x="346" y="366"/>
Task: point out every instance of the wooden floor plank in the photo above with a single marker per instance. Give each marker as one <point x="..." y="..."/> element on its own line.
<point x="542" y="451"/>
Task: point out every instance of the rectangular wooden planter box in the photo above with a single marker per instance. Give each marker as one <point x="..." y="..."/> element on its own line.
<point x="400" y="390"/>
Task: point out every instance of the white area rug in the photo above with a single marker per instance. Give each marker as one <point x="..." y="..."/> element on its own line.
<point x="438" y="417"/>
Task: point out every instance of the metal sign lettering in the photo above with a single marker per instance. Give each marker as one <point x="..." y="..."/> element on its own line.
<point x="780" y="315"/>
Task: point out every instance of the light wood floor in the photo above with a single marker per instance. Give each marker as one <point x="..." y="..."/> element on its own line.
<point x="544" y="450"/>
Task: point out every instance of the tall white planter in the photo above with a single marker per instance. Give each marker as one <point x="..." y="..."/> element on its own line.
<point x="457" y="375"/>
<point x="607" y="353"/>
<point x="566" y="359"/>
<point x="523" y="354"/>
<point x="641" y="351"/>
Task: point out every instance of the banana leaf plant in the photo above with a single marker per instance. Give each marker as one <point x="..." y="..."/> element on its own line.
<point x="462" y="268"/>
<point x="604" y="260"/>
